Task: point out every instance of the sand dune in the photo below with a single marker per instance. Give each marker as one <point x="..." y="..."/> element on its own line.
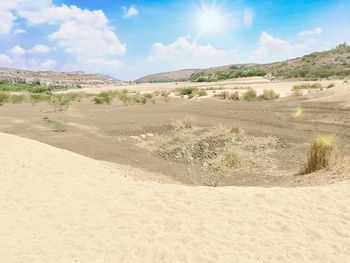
<point x="57" y="206"/>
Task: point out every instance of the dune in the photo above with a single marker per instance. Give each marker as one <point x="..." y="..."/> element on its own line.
<point x="57" y="206"/>
<point x="338" y="95"/>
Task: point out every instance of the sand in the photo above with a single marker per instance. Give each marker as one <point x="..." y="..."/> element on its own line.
<point x="57" y="206"/>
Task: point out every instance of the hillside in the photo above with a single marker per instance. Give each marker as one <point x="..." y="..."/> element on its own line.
<point x="183" y="75"/>
<point x="54" y="78"/>
<point x="326" y="64"/>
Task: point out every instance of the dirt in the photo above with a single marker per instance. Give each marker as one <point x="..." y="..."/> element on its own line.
<point x="272" y="137"/>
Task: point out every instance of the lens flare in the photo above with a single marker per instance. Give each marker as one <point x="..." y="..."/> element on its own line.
<point x="211" y="19"/>
<point x="298" y="112"/>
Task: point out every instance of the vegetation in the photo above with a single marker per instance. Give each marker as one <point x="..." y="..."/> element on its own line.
<point x="231" y="159"/>
<point x="269" y="95"/>
<point x="320" y="154"/>
<point x="249" y="95"/>
<point x="32" y="88"/>
<point x="58" y="126"/>
<point x="191" y="92"/>
<point x="3" y="98"/>
<point x="231" y="73"/>
<point x="227" y="95"/>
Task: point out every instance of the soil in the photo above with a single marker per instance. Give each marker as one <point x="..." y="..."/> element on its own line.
<point x="273" y="137"/>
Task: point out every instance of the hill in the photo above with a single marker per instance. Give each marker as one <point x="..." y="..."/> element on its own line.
<point x="54" y="78"/>
<point x="183" y="75"/>
<point x="326" y="64"/>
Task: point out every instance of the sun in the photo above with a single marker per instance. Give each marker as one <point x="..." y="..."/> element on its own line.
<point x="210" y="19"/>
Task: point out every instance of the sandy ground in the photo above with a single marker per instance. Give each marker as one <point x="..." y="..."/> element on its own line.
<point x="241" y="84"/>
<point x="57" y="206"/>
<point x="112" y="132"/>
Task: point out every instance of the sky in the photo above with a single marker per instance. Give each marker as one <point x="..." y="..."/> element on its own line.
<point x="128" y="39"/>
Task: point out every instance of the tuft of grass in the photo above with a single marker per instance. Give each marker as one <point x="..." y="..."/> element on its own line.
<point x="38" y="98"/>
<point x="308" y="86"/>
<point x="320" y="154"/>
<point x="15" y="99"/>
<point x="231" y="159"/>
<point x="235" y="130"/>
<point x="249" y="95"/>
<point x="226" y="95"/>
<point x="185" y="91"/>
<point x="3" y="98"/>
<point x="186" y="123"/>
<point x="329" y="86"/>
<point x="297" y="93"/>
<point x="58" y="126"/>
<point x="269" y="94"/>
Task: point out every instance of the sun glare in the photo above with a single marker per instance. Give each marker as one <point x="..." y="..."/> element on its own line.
<point x="210" y="19"/>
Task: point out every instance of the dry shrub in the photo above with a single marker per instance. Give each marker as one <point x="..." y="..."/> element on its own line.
<point x="269" y="94"/>
<point x="321" y="154"/>
<point x="329" y="86"/>
<point x="186" y="123"/>
<point x="231" y="159"/>
<point x="297" y="93"/>
<point x="226" y="95"/>
<point x="249" y="95"/>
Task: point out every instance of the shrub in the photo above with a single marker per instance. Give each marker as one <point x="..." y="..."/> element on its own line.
<point x="320" y="154"/>
<point x="58" y="126"/>
<point x="104" y="97"/>
<point x="185" y="91"/>
<point x="14" y="99"/>
<point x="199" y="92"/>
<point x="329" y="86"/>
<point x="226" y="95"/>
<point x="297" y="93"/>
<point x="308" y="86"/>
<point x="187" y="123"/>
<point x="269" y="95"/>
<point x="37" y="98"/>
<point x="249" y="95"/>
<point x="3" y="98"/>
<point x="231" y="159"/>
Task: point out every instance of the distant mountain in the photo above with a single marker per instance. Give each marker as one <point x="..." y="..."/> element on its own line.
<point x="55" y="78"/>
<point x="326" y="64"/>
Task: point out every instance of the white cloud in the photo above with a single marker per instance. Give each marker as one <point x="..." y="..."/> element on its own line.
<point x="19" y="31"/>
<point x="248" y="17"/>
<point x="310" y="41"/>
<point x="130" y="12"/>
<point x="5" y="61"/>
<point x="186" y="54"/>
<point x="40" y="49"/>
<point x="9" y="8"/>
<point x="316" y="31"/>
<point x="17" y="51"/>
<point x="48" y="64"/>
<point x="274" y="48"/>
<point x="6" y="21"/>
<point x="82" y="33"/>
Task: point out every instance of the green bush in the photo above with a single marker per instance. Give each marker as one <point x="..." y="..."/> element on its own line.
<point x="3" y="98"/>
<point x="249" y="95"/>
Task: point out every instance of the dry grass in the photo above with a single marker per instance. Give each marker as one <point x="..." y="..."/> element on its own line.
<point x="249" y="95"/>
<point x="186" y="123"/>
<point x="231" y="158"/>
<point x="227" y="95"/>
<point x="297" y="93"/>
<point x="321" y="154"/>
<point x="269" y="94"/>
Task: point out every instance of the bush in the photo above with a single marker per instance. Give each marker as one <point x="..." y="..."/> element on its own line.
<point x="226" y="95"/>
<point x="15" y="99"/>
<point x="3" y="98"/>
<point x="320" y="154"/>
<point x="297" y="93"/>
<point x="58" y="126"/>
<point x="269" y="95"/>
<point x="185" y="91"/>
<point x="308" y="86"/>
<point x="103" y="97"/>
<point x="329" y="86"/>
<point x="249" y="95"/>
<point x="231" y="159"/>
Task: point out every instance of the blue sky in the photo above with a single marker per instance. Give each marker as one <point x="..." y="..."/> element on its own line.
<point x="131" y="38"/>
